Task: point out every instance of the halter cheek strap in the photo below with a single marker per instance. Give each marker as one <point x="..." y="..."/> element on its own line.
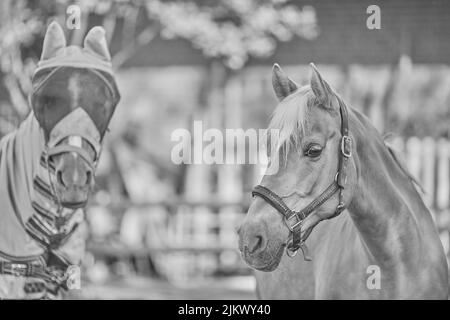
<point x="294" y="219"/>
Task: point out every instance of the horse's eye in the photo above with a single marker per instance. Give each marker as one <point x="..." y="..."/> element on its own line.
<point x="313" y="151"/>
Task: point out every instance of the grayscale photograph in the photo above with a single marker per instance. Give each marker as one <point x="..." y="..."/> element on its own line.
<point x="236" y="150"/>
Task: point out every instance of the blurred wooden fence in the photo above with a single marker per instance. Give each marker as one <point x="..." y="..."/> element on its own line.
<point x="195" y="236"/>
<point x="428" y="160"/>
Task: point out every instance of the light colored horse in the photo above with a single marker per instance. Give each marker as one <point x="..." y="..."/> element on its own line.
<point x="384" y="245"/>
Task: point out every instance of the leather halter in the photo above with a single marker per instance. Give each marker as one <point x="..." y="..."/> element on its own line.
<point x="294" y="219"/>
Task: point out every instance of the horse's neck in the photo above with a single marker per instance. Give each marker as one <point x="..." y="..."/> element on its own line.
<point x="29" y="146"/>
<point x="19" y="162"/>
<point x="31" y="140"/>
<point x="385" y="206"/>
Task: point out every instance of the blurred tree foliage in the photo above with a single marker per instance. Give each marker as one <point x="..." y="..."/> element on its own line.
<point x="19" y="26"/>
<point x="229" y="32"/>
<point x="234" y="30"/>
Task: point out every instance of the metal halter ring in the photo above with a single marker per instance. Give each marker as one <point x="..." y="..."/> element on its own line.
<point x="291" y="253"/>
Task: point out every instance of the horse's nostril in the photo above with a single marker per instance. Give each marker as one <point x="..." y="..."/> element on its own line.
<point x="255" y="244"/>
<point x="59" y="178"/>
<point x="88" y="177"/>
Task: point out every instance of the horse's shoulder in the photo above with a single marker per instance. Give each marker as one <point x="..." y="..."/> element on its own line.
<point x="341" y="242"/>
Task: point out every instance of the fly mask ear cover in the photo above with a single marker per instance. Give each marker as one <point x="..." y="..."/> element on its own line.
<point x="93" y="56"/>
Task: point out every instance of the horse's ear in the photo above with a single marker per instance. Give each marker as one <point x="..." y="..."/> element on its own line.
<point x="282" y="85"/>
<point x="96" y="43"/>
<point x="321" y="88"/>
<point x="54" y="40"/>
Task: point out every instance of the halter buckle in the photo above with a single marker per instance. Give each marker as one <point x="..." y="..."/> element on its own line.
<point x="346" y="146"/>
<point x="296" y="224"/>
<point x="18" y="269"/>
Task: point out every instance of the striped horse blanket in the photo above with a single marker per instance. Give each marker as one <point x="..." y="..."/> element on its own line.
<point x="32" y="232"/>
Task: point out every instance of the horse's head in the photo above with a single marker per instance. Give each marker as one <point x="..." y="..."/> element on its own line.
<point x="308" y="151"/>
<point x="74" y="98"/>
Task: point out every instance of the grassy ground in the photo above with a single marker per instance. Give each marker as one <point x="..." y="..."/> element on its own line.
<point x="144" y="288"/>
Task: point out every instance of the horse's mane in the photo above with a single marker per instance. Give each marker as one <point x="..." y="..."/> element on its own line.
<point x="399" y="159"/>
<point x="290" y="118"/>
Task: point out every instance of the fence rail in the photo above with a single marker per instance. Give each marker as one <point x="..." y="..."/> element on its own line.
<point x="199" y="235"/>
<point x="428" y="160"/>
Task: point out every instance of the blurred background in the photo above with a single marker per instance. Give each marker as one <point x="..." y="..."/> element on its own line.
<point x="159" y="230"/>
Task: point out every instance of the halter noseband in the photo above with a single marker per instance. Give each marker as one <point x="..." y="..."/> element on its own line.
<point x="294" y="219"/>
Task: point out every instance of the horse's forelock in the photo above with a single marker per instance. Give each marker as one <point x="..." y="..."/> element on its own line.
<point x="290" y="118"/>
